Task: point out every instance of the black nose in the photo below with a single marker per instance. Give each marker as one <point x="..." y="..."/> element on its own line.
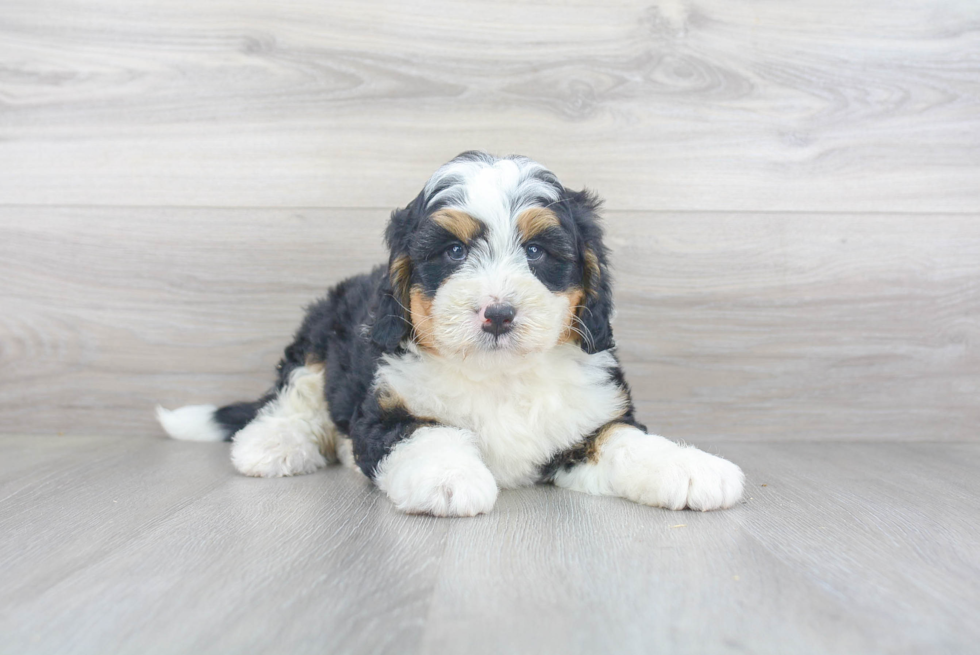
<point x="499" y="319"/>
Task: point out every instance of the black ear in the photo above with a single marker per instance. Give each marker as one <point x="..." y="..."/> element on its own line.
<point x="391" y="320"/>
<point x="597" y="307"/>
<point x="392" y="323"/>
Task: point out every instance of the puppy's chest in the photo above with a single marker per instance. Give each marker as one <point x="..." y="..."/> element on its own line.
<point x="521" y="418"/>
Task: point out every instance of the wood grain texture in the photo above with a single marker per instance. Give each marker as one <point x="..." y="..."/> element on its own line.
<point x="152" y="546"/>
<point x="729" y="326"/>
<point x="276" y="548"/>
<point x="671" y="105"/>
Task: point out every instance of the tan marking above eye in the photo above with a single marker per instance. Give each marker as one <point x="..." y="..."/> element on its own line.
<point x="463" y="226"/>
<point x="534" y="221"/>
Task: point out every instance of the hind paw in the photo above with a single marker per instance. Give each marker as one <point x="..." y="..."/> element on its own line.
<point x="276" y="448"/>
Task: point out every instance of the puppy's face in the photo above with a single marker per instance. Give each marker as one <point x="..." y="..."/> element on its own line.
<point x="495" y="256"/>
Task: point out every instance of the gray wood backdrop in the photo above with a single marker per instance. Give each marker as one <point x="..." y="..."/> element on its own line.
<point x="793" y="193"/>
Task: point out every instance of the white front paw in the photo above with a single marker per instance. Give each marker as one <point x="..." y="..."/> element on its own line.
<point x="452" y="491"/>
<point x="274" y="447"/>
<point x="437" y="472"/>
<point x="679" y="477"/>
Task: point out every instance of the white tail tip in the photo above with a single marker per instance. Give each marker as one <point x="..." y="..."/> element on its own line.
<point x="191" y="423"/>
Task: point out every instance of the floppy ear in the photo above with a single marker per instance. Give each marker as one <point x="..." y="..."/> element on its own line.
<point x="392" y="323"/>
<point x="597" y="307"/>
<point x="391" y="320"/>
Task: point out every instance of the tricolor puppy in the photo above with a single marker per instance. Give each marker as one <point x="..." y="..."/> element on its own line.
<point x="481" y="357"/>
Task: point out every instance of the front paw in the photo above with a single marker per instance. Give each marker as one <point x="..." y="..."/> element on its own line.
<point x="437" y="472"/>
<point x="452" y="491"/>
<point x="682" y="477"/>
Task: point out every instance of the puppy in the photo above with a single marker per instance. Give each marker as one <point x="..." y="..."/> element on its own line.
<point x="481" y="357"/>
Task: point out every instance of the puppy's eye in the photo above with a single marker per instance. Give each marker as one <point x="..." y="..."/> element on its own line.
<point x="534" y="252"/>
<point x="456" y="252"/>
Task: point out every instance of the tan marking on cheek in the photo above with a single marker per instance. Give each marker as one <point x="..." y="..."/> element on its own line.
<point x="534" y="221"/>
<point x="606" y="431"/>
<point x="592" y="273"/>
<point x="463" y="226"/>
<point x="575" y="297"/>
<point x="420" y="307"/>
<point x="400" y="274"/>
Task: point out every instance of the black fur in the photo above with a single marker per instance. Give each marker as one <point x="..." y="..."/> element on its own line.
<point x="581" y="209"/>
<point x="236" y="416"/>
<point x="335" y="332"/>
<point x="378" y="429"/>
<point x="428" y="251"/>
<point x="557" y="266"/>
<point x="366" y="316"/>
<point x="332" y="334"/>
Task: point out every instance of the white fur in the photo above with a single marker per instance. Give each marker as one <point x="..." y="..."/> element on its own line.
<point x="521" y="410"/>
<point x="438" y="471"/>
<point x="291" y="435"/>
<point x="655" y="471"/>
<point x="191" y="423"/>
<point x="455" y="325"/>
<point x="489" y="188"/>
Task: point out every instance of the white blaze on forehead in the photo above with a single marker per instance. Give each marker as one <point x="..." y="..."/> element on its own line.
<point x="493" y="191"/>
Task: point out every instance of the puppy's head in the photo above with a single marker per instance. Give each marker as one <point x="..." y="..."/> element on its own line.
<point x="495" y="256"/>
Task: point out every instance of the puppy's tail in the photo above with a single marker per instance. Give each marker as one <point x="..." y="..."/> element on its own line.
<point x="208" y="422"/>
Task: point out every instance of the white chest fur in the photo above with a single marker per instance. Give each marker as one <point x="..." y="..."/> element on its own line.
<point x="522" y="413"/>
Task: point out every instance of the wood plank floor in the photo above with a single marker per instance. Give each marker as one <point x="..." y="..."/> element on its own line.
<point x="144" y="545"/>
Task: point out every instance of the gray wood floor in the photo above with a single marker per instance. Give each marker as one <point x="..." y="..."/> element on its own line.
<point x="143" y="545"/>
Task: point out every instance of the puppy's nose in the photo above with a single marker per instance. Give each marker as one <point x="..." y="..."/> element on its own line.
<point x="498" y="319"/>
